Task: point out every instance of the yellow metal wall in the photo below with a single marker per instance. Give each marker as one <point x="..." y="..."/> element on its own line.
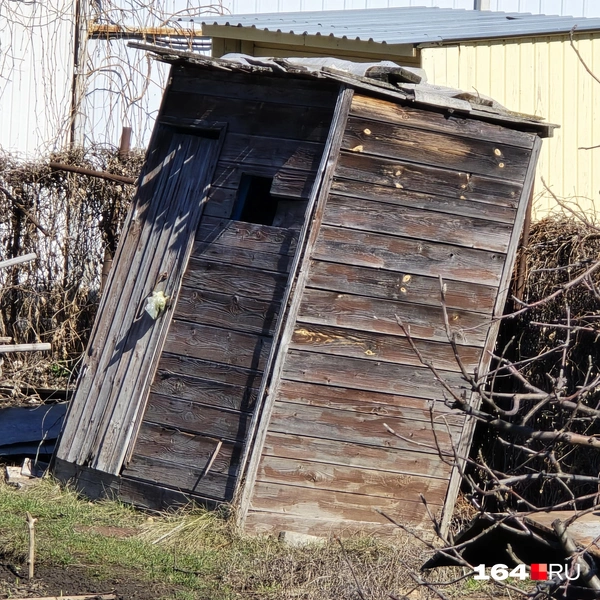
<point x="539" y="76"/>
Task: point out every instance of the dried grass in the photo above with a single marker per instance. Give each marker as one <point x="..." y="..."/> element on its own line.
<point x="561" y="247"/>
<point x="262" y="567"/>
<point x="70" y="221"/>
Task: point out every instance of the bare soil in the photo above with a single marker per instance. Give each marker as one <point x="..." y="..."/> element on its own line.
<point x="76" y="580"/>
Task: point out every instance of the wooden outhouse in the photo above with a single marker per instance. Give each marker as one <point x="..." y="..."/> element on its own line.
<point x="290" y="217"/>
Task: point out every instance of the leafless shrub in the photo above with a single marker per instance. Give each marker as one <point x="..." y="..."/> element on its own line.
<point x="72" y="223"/>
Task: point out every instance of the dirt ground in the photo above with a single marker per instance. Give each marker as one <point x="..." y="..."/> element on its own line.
<point x="75" y="580"/>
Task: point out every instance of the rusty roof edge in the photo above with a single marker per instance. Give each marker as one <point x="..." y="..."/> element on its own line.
<point x="422" y="94"/>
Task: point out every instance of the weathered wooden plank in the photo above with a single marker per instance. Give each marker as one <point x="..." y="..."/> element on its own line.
<point x="265" y="522"/>
<point x="359" y="343"/>
<point x="403" y="175"/>
<point x="254" y="88"/>
<point x="355" y="454"/>
<point x="367" y="375"/>
<point x="362" y="428"/>
<point x="390" y="112"/>
<point x="465" y="207"/>
<point x="218" y="344"/>
<point x="486" y="357"/>
<point x="269" y="261"/>
<point x="151" y="496"/>
<point x="247" y="236"/>
<point x="271" y="152"/>
<point x="183" y="477"/>
<point x="405" y="286"/>
<point x="470" y="155"/>
<point x="173" y="364"/>
<point x="321" y="476"/>
<point x="231" y="279"/>
<point x="204" y="391"/>
<point x="187" y="449"/>
<point x="292" y="298"/>
<point x="226" y="310"/>
<point x="196" y="418"/>
<point x="366" y="249"/>
<point x="288" y="181"/>
<point x="368" y="314"/>
<point x="250" y="117"/>
<point x="305" y="502"/>
<point x="373" y="403"/>
<point x="375" y="216"/>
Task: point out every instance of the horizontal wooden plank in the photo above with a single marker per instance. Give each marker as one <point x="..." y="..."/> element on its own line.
<point x="247" y="236"/>
<point x="151" y="496"/>
<point x="256" y="88"/>
<point x="306" y="474"/>
<point x="250" y="117"/>
<point x="355" y="454"/>
<point x="271" y="152"/>
<point x="192" y="417"/>
<point x="457" y="207"/>
<point x="390" y="112"/>
<point x="204" y="391"/>
<point x="173" y="364"/>
<point x="403" y="175"/>
<point x="288" y="181"/>
<point x="397" y="349"/>
<point x="186" y="478"/>
<point x="269" y="261"/>
<point x="304" y="502"/>
<point x="405" y="286"/>
<point x="186" y="449"/>
<point x="370" y="430"/>
<point x="373" y="403"/>
<point x="269" y="523"/>
<point x="226" y="310"/>
<point x="366" y="249"/>
<point x="229" y="279"/>
<point x="247" y="350"/>
<point x="468" y="155"/>
<point x="367" y="375"/>
<point x="368" y="314"/>
<point x="372" y="215"/>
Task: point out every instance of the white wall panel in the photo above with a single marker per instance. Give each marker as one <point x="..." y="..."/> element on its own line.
<point x="36" y="65"/>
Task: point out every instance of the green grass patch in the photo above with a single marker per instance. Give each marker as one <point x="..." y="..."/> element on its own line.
<point x="200" y="553"/>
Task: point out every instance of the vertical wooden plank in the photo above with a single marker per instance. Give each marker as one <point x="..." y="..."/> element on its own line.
<point x="466" y="438"/>
<point x="298" y="276"/>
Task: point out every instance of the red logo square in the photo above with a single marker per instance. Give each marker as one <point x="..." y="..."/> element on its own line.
<point x="539" y="572"/>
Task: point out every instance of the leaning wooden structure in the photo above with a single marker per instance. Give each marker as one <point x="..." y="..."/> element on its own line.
<point x="290" y="217"/>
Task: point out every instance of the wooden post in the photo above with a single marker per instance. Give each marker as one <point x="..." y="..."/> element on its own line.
<point x="125" y="146"/>
<point x="31" y="560"/>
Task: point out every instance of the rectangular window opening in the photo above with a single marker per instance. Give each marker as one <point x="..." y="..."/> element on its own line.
<point x="255" y="203"/>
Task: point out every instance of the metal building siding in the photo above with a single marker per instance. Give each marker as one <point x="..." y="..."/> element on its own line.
<point x="538" y="76"/>
<point x="36" y="64"/>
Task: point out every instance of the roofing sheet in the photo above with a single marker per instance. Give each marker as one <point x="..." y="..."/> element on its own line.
<point x="402" y="85"/>
<point x="410" y="25"/>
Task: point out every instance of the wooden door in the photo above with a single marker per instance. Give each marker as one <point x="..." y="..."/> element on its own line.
<point x="126" y="341"/>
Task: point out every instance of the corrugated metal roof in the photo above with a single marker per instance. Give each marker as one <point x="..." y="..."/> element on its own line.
<point x="409" y="25"/>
